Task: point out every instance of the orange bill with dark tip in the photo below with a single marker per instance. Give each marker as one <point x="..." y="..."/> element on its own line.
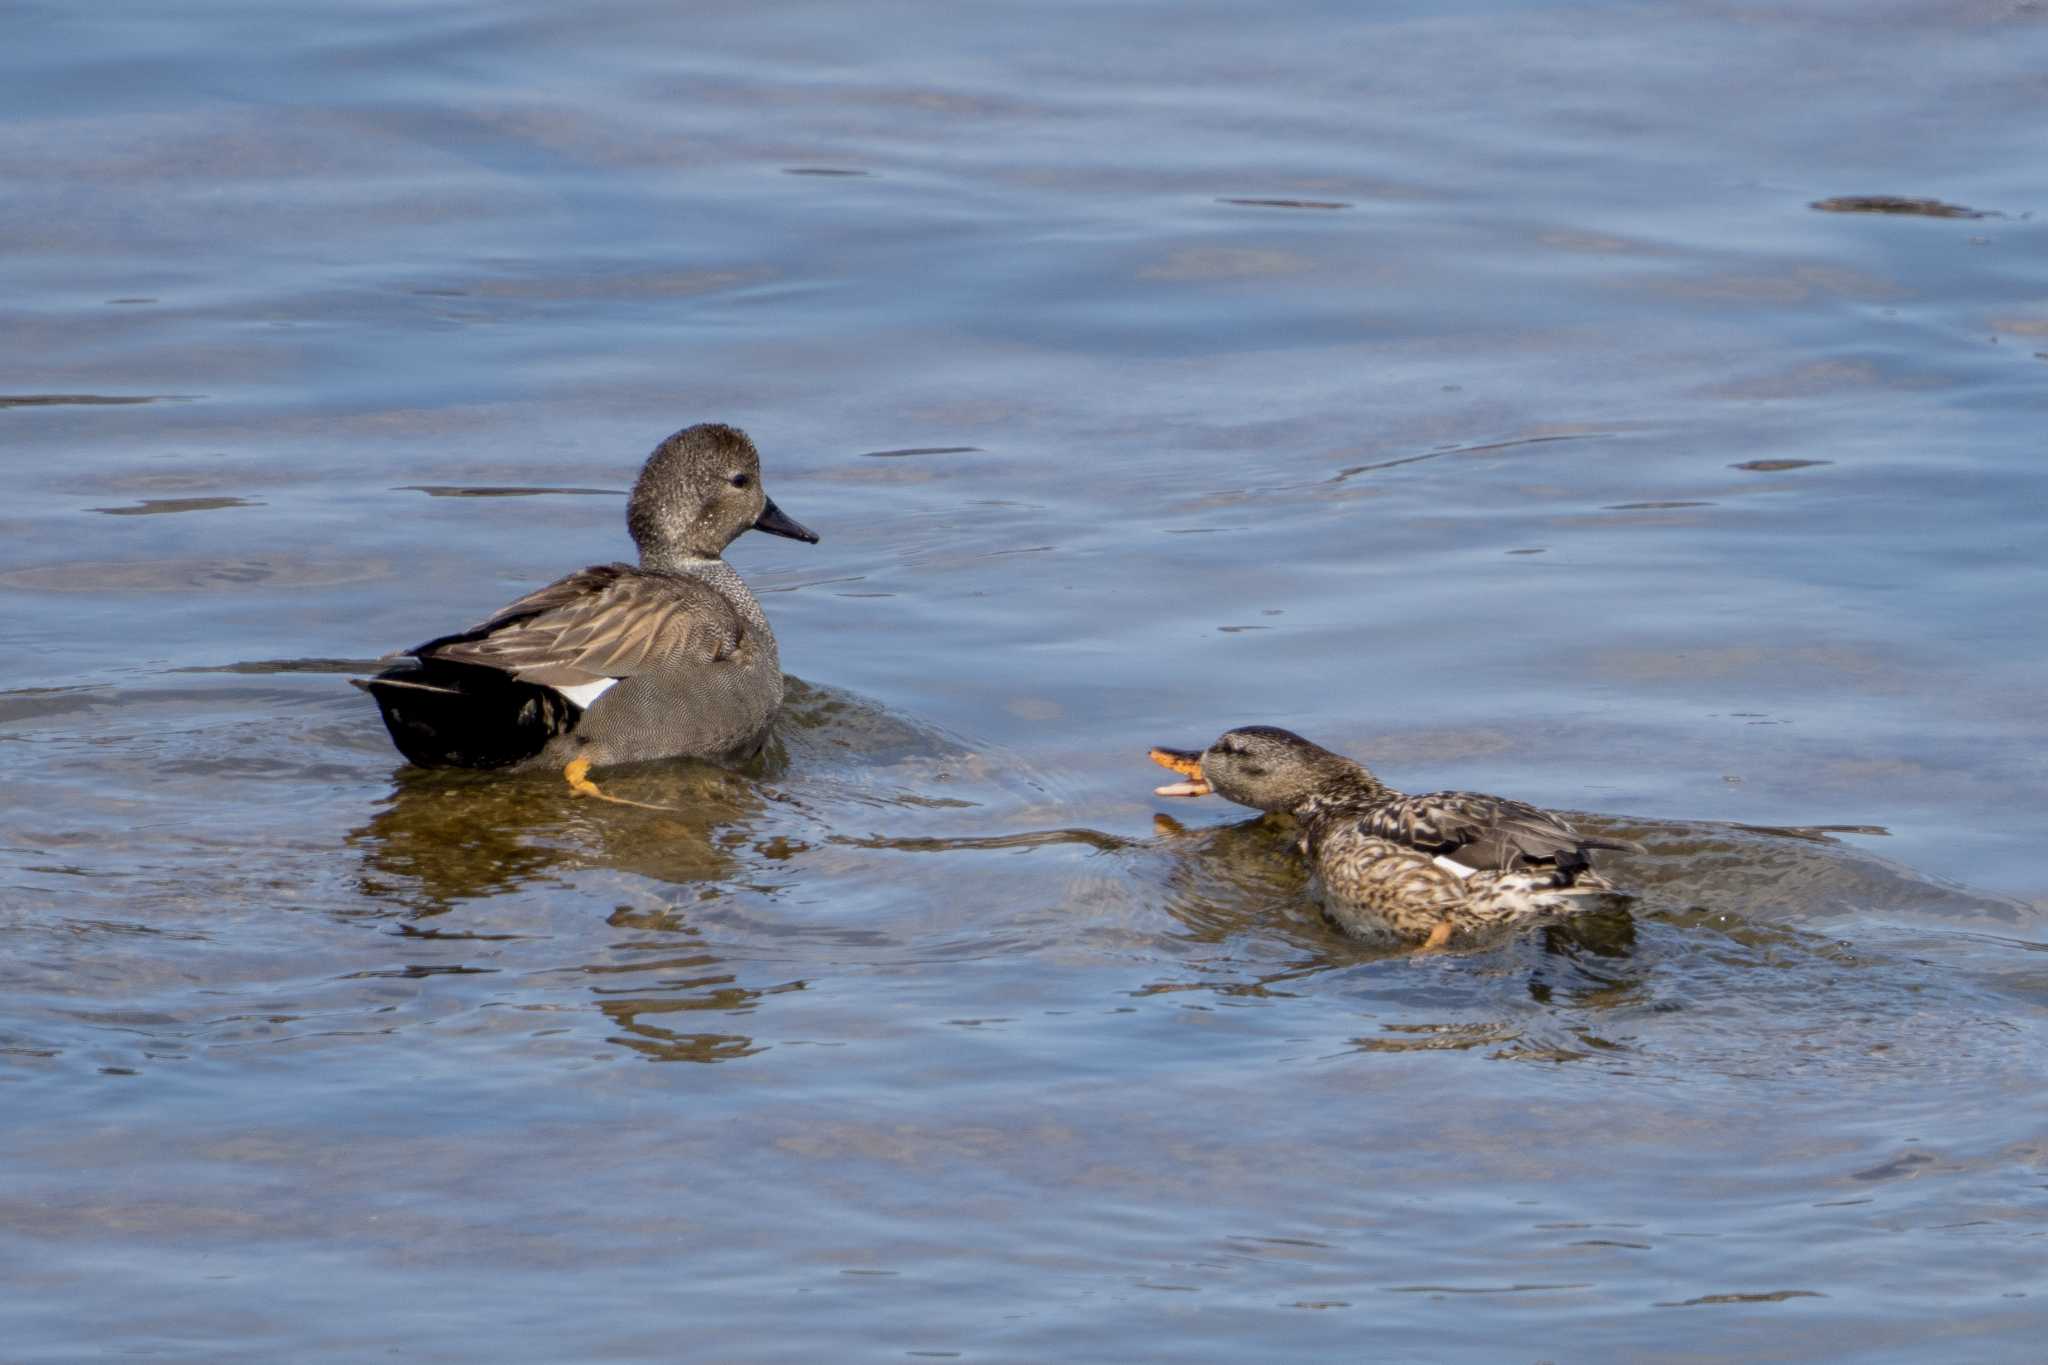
<point x="1188" y="765"/>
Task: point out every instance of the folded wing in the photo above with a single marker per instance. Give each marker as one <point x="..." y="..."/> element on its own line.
<point x="1486" y="833"/>
<point x="607" y="622"/>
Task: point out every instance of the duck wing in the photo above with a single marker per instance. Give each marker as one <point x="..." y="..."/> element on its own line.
<point x="605" y="622"/>
<point x="1489" y="833"/>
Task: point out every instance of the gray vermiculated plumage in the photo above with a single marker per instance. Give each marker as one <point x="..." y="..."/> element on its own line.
<point x="692" y="666"/>
<point x="1373" y="849"/>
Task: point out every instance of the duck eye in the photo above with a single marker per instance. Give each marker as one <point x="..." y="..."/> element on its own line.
<point x="739" y="481"/>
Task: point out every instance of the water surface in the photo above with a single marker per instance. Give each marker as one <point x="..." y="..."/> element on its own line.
<point x="1630" y="410"/>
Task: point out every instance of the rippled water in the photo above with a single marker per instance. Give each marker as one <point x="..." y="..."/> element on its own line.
<point x="1632" y="409"/>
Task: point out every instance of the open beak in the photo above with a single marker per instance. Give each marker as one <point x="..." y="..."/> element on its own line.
<point x="1188" y="765"/>
<point x="776" y="522"/>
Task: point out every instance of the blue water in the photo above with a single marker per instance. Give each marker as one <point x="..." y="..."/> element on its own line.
<point x="1472" y="387"/>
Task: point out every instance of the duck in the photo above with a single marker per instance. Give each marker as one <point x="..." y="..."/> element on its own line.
<point x="615" y="663"/>
<point x="1396" y="869"/>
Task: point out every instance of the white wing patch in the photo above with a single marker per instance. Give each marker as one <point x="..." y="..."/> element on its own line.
<point x="1456" y="869"/>
<point x="583" y="694"/>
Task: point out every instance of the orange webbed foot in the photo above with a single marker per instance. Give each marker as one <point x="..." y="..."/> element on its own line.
<point x="577" y="774"/>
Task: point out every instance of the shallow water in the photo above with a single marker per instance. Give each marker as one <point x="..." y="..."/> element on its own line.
<point x="1568" y="401"/>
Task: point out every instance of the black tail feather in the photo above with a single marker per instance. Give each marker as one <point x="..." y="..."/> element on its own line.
<point x="445" y="715"/>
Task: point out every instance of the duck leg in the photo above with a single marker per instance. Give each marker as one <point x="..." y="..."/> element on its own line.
<point x="1438" y="937"/>
<point x="578" y="777"/>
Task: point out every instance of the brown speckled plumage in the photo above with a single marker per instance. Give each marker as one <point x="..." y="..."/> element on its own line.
<point x="676" y="650"/>
<point x="1379" y="856"/>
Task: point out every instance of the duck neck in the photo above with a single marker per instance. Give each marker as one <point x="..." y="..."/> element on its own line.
<point x="1342" y="792"/>
<point x="674" y="558"/>
<point x="721" y="576"/>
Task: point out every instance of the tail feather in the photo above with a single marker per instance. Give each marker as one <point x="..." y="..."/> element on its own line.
<point x="371" y="685"/>
<point x="446" y="715"/>
<point x="1541" y="891"/>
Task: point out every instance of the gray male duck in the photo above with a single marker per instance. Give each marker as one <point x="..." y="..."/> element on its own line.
<point x="1394" y="868"/>
<point x="614" y="663"/>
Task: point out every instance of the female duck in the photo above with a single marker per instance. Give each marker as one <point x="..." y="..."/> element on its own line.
<point x="1397" y="868"/>
<point x="615" y="663"/>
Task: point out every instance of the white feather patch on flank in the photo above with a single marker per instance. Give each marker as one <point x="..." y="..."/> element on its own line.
<point x="583" y="694"/>
<point x="1456" y="869"/>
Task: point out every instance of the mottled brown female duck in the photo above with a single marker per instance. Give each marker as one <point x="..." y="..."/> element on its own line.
<point x="1395" y="868"/>
<point x="617" y="663"/>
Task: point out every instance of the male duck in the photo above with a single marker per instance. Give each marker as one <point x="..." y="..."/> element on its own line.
<point x="1397" y="868"/>
<point x="614" y="664"/>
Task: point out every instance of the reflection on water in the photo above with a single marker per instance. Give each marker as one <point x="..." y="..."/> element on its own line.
<point x="1892" y="203"/>
<point x="655" y="984"/>
<point x="150" y="507"/>
<point x="440" y="490"/>
<point x="44" y="400"/>
<point x="443" y="837"/>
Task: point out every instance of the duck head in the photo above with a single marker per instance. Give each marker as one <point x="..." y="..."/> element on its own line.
<point x="698" y="491"/>
<point x="1264" y="767"/>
